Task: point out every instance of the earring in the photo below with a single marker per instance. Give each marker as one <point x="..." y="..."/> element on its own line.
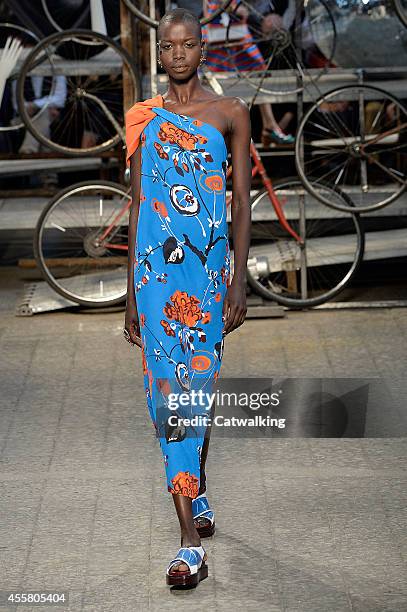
<point x="201" y="61"/>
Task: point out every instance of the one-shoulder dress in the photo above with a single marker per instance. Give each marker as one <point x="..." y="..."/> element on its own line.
<point x="181" y="275"/>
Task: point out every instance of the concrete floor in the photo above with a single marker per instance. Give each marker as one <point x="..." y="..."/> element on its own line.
<point x="303" y="524"/>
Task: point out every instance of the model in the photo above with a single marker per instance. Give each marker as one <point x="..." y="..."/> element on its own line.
<point x="182" y="300"/>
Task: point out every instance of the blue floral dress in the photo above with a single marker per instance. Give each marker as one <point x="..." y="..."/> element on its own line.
<point x="181" y="274"/>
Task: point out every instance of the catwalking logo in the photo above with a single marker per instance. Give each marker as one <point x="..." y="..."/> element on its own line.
<point x="222" y="421"/>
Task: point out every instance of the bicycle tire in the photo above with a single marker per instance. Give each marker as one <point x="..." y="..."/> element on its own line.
<point x="38" y="250"/>
<point x="298" y="302"/>
<point x="248" y="76"/>
<point x="28" y="121"/>
<point x="153" y="23"/>
<point x="306" y="181"/>
<point x="78" y="24"/>
<point x="400" y="11"/>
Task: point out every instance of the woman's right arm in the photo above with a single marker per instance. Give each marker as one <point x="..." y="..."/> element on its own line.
<point x="131" y="319"/>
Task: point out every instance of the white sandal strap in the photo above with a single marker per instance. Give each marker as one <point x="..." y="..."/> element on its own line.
<point x="205" y="514"/>
<point x="191" y="556"/>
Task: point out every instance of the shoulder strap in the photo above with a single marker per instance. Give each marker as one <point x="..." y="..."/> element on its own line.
<point x="137" y="117"/>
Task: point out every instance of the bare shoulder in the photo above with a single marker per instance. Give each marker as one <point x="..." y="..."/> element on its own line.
<point x="233" y="113"/>
<point x="229" y="105"/>
<point x="232" y="104"/>
<point x="237" y="111"/>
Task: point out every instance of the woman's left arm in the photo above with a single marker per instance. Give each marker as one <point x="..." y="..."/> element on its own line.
<point x="234" y="306"/>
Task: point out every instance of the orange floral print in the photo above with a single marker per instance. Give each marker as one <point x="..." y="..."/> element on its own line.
<point x="206" y="317"/>
<point x="150" y="381"/>
<point x="167" y="328"/>
<point x="184" y="308"/>
<point x="142" y="319"/>
<point x="186" y="484"/>
<point x="215" y="182"/>
<point x="200" y="363"/>
<point x="218" y="297"/>
<point x="159" y="207"/>
<point x="163" y="385"/>
<point x="143" y="360"/>
<point x="174" y="135"/>
<point x="159" y="148"/>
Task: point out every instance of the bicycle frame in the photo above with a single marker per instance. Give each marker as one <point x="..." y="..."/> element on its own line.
<point x="259" y="168"/>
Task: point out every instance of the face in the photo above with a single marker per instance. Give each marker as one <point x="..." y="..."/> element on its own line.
<point x="179" y="49"/>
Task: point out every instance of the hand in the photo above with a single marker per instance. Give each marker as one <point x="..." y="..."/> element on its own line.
<point x="53" y="112"/>
<point x="234" y="306"/>
<point x="243" y="12"/>
<point x="131" y="323"/>
<point x="271" y="22"/>
<point x="31" y="109"/>
<point x="89" y="139"/>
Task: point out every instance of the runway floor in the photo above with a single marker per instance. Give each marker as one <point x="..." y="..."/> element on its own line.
<point x="303" y="524"/>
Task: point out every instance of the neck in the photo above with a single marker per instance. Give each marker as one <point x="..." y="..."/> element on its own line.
<point x="184" y="91"/>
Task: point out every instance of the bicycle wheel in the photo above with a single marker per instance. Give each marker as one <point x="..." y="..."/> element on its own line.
<point x="79" y="16"/>
<point x="88" y="114"/>
<point x="80" y="243"/>
<point x="287" y="49"/>
<point x="56" y="13"/>
<point x="140" y="8"/>
<point x="297" y="276"/>
<point x="400" y="6"/>
<point x="354" y="138"/>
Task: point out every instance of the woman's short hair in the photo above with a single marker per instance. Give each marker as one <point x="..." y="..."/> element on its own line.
<point x="180" y="14"/>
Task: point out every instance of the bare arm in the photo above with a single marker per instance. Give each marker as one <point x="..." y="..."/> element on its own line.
<point x="235" y="301"/>
<point x="131" y="320"/>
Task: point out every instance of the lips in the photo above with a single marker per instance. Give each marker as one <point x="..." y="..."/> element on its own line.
<point x="183" y="66"/>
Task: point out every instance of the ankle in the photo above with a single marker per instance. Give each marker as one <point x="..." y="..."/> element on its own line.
<point x="190" y="539"/>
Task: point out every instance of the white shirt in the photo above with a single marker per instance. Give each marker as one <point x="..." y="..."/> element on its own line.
<point x="57" y="96"/>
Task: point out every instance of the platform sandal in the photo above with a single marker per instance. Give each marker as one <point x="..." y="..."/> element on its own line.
<point x="201" y="509"/>
<point x="194" y="557"/>
<point x="277" y="136"/>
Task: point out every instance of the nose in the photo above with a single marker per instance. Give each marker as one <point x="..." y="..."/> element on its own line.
<point x="178" y="52"/>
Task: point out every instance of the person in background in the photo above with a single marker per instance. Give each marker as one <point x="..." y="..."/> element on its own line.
<point x="44" y="98"/>
<point x="247" y="56"/>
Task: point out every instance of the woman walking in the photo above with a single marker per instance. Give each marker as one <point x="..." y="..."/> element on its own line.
<point x="182" y="300"/>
